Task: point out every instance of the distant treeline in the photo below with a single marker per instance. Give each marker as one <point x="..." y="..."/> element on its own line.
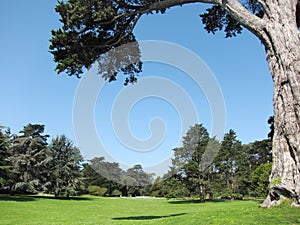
<point x="203" y="167"/>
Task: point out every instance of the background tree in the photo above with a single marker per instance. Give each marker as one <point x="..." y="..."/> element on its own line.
<point x="138" y="181"/>
<point x="6" y="169"/>
<point x="91" y="28"/>
<point x="63" y="167"/>
<point x="29" y="158"/>
<point x="190" y="162"/>
<point x="228" y="164"/>
<point x="259" y="152"/>
<point x="173" y="187"/>
<point x="195" y="142"/>
<point x="98" y="172"/>
<point x="260" y="180"/>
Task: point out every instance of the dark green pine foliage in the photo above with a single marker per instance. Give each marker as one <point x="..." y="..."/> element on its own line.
<point x="195" y="138"/>
<point x="173" y="187"/>
<point x="229" y="165"/>
<point x="191" y="162"/>
<point x="216" y="19"/>
<point x="259" y="152"/>
<point x="196" y="175"/>
<point x="29" y="158"/>
<point x="63" y="167"/>
<point x="90" y="29"/>
<point x="6" y="169"/>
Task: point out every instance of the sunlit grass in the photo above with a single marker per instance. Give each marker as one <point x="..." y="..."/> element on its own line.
<point x="94" y="210"/>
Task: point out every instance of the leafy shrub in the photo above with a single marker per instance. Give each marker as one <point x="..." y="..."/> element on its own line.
<point x="96" y="190"/>
<point x="116" y="193"/>
<point x="24" y="188"/>
<point x="260" y="180"/>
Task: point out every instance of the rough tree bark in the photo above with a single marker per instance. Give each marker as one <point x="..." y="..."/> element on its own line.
<point x="282" y="42"/>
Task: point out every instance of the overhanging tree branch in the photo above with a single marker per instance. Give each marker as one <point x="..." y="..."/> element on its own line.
<point x="246" y="18"/>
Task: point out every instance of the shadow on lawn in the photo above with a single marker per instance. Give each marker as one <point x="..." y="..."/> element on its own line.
<point x="27" y="198"/>
<point x="197" y="201"/>
<point x="147" y="217"/>
<point x="193" y="201"/>
<point x="78" y="198"/>
<point x="17" y="198"/>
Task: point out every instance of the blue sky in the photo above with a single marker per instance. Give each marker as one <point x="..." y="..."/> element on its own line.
<point x="32" y="92"/>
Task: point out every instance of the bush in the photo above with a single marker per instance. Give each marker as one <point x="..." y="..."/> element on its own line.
<point x="23" y="188"/>
<point x="260" y="180"/>
<point x="116" y="193"/>
<point x="96" y="190"/>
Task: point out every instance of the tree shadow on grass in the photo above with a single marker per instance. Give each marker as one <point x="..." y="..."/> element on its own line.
<point x="190" y="201"/>
<point x="76" y="198"/>
<point x="27" y="198"/>
<point x="197" y="201"/>
<point x="194" y="201"/>
<point x="17" y="198"/>
<point x="147" y="217"/>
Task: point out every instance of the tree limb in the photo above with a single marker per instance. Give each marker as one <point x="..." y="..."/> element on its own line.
<point x="233" y="7"/>
<point x="246" y="18"/>
<point x="170" y="3"/>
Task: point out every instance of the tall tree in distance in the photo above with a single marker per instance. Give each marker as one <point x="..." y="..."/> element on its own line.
<point x="190" y="161"/>
<point x="6" y="169"/>
<point x="63" y="167"/>
<point x="29" y="158"/>
<point x="91" y="28"/>
<point x="228" y="162"/>
<point x="104" y="174"/>
<point x="196" y="141"/>
<point x="137" y="181"/>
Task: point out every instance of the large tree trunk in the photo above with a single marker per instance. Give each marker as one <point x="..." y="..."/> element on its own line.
<point x="282" y="41"/>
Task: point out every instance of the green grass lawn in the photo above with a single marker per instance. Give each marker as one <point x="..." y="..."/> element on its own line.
<point x="94" y="210"/>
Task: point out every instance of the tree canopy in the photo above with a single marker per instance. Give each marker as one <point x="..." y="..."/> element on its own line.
<point x="91" y="28"/>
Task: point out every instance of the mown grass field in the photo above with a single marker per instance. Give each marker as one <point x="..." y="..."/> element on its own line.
<point x="94" y="210"/>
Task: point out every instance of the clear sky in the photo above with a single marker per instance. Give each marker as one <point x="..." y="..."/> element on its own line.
<point x="32" y="92"/>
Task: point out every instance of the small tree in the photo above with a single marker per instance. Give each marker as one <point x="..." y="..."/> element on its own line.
<point x="260" y="180"/>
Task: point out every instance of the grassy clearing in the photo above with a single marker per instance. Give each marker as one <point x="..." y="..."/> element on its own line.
<point x="94" y="210"/>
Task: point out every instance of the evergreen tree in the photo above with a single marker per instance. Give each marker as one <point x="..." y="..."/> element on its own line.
<point x="138" y="181"/>
<point x="98" y="172"/>
<point x="192" y="161"/>
<point x="227" y="164"/>
<point x="29" y="158"/>
<point x="6" y="169"/>
<point x="259" y="152"/>
<point x="63" y="167"/>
